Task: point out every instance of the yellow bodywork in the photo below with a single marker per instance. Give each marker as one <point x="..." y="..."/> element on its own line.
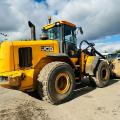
<point x="9" y="62"/>
<point x="25" y="78"/>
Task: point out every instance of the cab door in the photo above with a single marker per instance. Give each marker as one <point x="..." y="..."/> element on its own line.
<point x="70" y="41"/>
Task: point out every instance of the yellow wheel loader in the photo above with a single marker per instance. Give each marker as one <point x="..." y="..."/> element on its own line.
<point x="53" y="64"/>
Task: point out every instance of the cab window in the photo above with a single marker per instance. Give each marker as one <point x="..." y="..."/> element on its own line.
<point x="69" y="34"/>
<point x="53" y="33"/>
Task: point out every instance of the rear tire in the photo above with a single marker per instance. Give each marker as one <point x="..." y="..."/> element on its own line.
<point x="102" y="75"/>
<point x="56" y="82"/>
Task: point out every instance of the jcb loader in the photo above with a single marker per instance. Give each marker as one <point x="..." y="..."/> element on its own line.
<point x="52" y="64"/>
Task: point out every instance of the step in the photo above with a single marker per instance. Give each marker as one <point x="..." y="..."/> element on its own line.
<point x="77" y="65"/>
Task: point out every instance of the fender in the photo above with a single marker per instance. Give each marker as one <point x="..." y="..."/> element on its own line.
<point x="54" y="57"/>
<point x="91" y="64"/>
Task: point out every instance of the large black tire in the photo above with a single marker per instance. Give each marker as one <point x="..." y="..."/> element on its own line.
<point x="102" y="74"/>
<point x="56" y="82"/>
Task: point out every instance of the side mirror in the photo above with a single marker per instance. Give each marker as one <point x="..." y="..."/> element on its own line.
<point x="81" y="30"/>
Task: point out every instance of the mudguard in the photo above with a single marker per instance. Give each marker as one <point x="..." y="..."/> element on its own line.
<point x="91" y="64"/>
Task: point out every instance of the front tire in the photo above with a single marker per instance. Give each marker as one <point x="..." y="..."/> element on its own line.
<point x="56" y="82"/>
<point x="102" y="74"/>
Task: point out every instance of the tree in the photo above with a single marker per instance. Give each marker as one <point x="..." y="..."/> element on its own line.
<point x="117" y="51"/>
<point x="105" y="51"/>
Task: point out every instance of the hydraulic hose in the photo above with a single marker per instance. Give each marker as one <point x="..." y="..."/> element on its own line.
<point x="92" y="46"/>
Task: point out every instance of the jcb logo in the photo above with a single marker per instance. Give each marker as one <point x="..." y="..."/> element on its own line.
<point x="47" y="48"/>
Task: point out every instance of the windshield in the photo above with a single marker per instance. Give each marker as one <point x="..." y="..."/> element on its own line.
<point x="53" y="33"/>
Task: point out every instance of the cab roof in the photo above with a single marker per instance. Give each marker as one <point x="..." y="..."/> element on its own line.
<point x="48" y="26"/>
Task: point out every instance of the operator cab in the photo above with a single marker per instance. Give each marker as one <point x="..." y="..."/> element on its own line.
<point x="65" y="33"/>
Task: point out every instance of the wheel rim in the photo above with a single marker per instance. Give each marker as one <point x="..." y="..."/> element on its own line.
<point x="104" y="74"/>
<point x="62" y="83"/>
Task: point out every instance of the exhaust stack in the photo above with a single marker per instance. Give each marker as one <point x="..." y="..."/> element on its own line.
<point x="32" y="27"/>
<point x="49" y="19"/>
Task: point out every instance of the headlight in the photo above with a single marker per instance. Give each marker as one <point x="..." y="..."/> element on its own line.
<point x="57" y="24"/>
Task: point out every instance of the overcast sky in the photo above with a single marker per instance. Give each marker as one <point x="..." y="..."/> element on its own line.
<point x="100" y="19"/>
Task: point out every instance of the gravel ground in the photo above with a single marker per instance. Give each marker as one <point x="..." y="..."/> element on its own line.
<point x="16" y="105"/>
<point x="86" y="104"/>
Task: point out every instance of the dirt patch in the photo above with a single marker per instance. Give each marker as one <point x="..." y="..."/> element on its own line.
<point x="15" y="105"/>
